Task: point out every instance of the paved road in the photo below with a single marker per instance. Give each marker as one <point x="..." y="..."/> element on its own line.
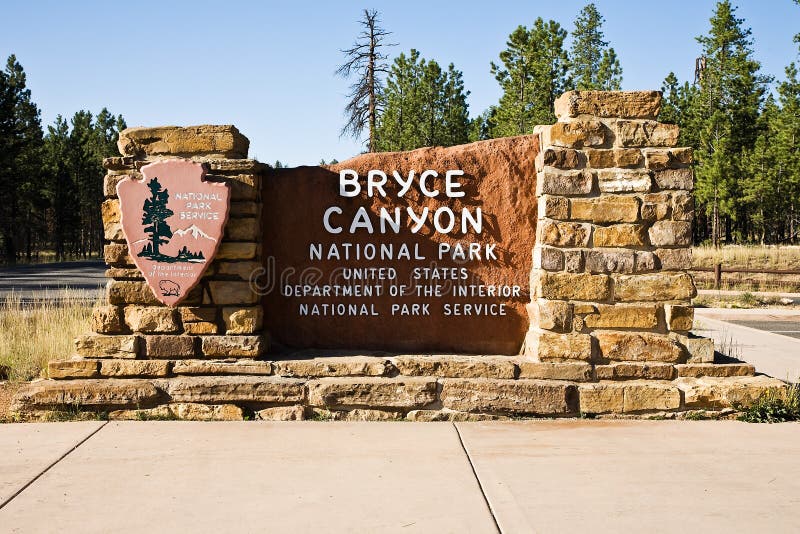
<point x="748" y="335"/>
<point x="49" y="279"/>
<point x="785" y="322"/>
<point x="786" y="328"/>
<point x="539" y="476"/>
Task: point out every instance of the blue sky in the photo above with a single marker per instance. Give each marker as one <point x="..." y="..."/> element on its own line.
<point x="268" y="67"/>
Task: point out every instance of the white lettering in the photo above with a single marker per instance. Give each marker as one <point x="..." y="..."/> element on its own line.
<point x="361" y="220"/>
<point x="437" y="223"/>
<point x="405" y="185"/>
<point x="372" y="183"/>
<point x="326" y="220"/>
<point x="425" y="191"/>
<point x="450" y="186"/>
<point x="387" y="219"/>
<point x="418" y="221"/>
<point x="348" y="183"/>
<point x="477" y="223"/>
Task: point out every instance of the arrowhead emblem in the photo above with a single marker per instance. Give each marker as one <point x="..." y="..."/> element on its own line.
<point x="173" y="222"/>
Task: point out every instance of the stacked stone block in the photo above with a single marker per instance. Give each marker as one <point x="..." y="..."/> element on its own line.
<point x="378" y="387"/>
<point x="609" y="284"/>
<point x="133" y="334"/>
<point x="609" y="280"/>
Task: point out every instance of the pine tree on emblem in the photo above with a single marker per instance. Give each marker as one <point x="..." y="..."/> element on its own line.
<point x="155" y="215"/>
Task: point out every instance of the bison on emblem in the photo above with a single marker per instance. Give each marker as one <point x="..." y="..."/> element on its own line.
<point x="169" y="288"/>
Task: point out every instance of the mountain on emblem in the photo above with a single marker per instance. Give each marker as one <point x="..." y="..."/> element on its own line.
<point x="173" y="220"/>
<point x="195" y="232"/>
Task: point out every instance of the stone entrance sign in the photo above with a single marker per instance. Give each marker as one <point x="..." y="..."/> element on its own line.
<point x="542" y="275"/>
<point x="173" y="221"/>
<point x="423" y="251"/>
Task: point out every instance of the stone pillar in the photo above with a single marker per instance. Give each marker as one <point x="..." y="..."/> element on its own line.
<point x="609" y="282"/>
<point x="134" y="335"/>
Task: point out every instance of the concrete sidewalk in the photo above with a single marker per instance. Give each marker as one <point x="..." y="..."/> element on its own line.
<point x="772" y="354"/>
<point x="532" y="476"/>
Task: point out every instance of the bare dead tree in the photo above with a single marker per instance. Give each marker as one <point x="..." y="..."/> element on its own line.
<point x="366" y="62"/>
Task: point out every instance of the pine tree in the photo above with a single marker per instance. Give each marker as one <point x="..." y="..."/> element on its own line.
<point x="550" y="68"/>
<point x="20" y="163"/>
<point x="513" y="113"/>
<point x="51" y="186"/>
<point x="786" y="145"/>
<point x="29" y="170"/>
<point x="425" y="105"/>
<point x="102" y="143"/>
<point x="60" y="190"/>
<point x="154" y="218"/>
<point x="106" y="133"/>
<point x="671" y="111"/>
<point x="593" y="64"/>
<point x="86" y="170"/>
<point x="91" y="139"/>
<point x="456" y="109"/>
<point x="431" y="103"/>
<point x="726" y="108"/>
<point x="533" y="74"/>
<point x="763" y="189"/>
<point x="398" y="128"/>
<point x="367" y="62"/>
<point x="481" y="127"/>
<point x="609" y="72"/>
<point x="677" y="107"/>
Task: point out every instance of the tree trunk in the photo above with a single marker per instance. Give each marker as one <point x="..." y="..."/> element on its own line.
<point x="371" y="82"/>
<point x="715" y="222"/>
<point x="28" y="241"/>
<point x="10" y="253"/>
<point x="728" y="230"/>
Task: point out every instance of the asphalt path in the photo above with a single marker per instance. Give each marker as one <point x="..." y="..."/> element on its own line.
<point x="48" y="280"/>
<point x="766" y="338"/>
<point x="784" y="328"/>
<point x="783" y="322"/>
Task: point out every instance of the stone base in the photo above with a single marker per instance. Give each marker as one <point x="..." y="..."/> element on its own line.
<point x="371" y="387"/>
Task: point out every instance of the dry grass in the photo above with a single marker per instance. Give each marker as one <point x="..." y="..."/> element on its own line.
<point x="750" y="257"/>
<point x="33" y="334"/>
<point x="773" y="283"/>
<point x="744" y="300"/>
<point x="754" y="257"/>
